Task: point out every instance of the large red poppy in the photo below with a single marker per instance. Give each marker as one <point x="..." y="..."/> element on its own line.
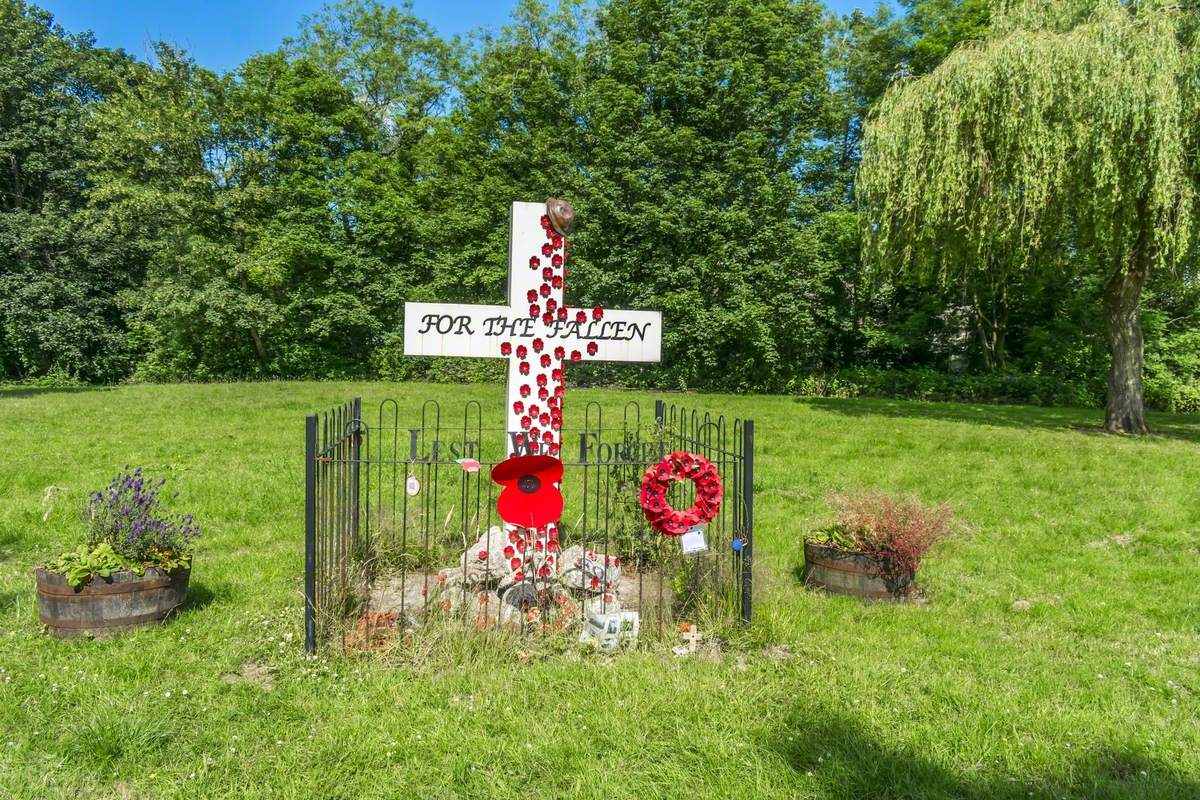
<point x="530" y="497"/>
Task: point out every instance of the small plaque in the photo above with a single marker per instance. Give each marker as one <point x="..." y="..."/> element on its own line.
<point x="693" y="541"/>
<point x="412" y="486"/>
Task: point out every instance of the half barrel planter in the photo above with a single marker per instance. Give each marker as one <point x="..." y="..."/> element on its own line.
<point x="104" y="606"/>
<point x="839" y="571"/>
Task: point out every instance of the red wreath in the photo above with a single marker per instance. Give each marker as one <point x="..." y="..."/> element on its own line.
<point x="680" y="466"/>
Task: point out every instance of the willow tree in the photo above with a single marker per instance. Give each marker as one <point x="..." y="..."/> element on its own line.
<point x="1063" y="142"/>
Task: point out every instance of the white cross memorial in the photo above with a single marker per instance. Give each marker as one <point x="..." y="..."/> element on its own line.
<point x="536" y="331"/>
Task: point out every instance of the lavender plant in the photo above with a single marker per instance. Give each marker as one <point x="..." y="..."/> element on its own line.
<point x="128" y="515"/>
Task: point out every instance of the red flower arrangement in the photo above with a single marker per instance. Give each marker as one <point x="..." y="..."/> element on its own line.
<point x="680" y="466"/>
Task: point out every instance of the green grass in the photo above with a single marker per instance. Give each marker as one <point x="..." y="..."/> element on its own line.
<point x="1093" y="692"/>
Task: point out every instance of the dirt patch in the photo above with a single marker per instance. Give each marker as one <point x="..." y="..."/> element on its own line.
<point x="250" y="672"/>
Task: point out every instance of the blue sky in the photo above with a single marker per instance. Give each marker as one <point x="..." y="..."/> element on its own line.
<point x="222" y="33"/>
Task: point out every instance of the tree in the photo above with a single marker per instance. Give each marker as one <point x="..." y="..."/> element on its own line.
<point x="58" y="279"/>
<point x="1068" y="131"/>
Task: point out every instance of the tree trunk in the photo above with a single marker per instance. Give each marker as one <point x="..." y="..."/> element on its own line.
<point x="1125" y="412"/>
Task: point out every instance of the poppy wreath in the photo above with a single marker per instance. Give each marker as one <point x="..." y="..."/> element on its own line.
<point x="680" y="466"/>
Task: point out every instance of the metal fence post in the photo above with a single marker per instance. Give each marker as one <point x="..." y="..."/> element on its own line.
<point x="748" y="521"/>
<point x="310" y="534"/>
<point x="355" y="456"/>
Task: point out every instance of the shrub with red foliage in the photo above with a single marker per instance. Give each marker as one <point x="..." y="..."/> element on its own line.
<point x="898" y="531"/>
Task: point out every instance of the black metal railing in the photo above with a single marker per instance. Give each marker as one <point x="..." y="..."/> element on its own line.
<point x="386" y="499"/>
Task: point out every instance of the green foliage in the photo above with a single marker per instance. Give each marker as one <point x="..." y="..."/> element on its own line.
<point x="166" y="223"/>
<point x="81" y="565"/>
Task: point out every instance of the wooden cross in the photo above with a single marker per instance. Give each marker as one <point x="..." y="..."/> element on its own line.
<point x="537" y="332"/>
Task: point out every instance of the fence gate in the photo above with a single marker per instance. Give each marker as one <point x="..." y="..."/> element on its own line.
<point x="388" y="504"/>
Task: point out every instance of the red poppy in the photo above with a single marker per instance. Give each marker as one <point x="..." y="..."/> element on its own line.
<point x="543" y="393"/>
<point x="545" y="220"/>
<point x="576" y="355"/>
<point x="525" y="390"/>
<point x="545" y="361"/>
<point x="548" y="318"/>
<point x="534" y="262"/>
<point x="592" y="348"/>
<point x="556" y="260"/>
<point x="547" y="273"/>
<point x="518" y="407"/>
<point x="581" y="317"/>
<point x="534" y="309"/>
<point x="522" y="351"/>
<point x="551" y="304"/>
<point x="538" y="344"/>
<point x="531" y="296"/>
<point x="561" y="313"/>
<point x="523" y="368"/>
<point x="533" y="410"/>
<point x="545" y="292"/>
<point x="530" y="497"/>
<point x="597" y="312"/>
<point x="505" y="348"/>
<point x="541" y="379"/>
<point x="547" y="249"/>
<point x="560" y="353"/>
<point x="556" y="282"/>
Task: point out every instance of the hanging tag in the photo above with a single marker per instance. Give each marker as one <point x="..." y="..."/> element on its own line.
<point x="412" y="486"/>
<point x="693" y="541"/>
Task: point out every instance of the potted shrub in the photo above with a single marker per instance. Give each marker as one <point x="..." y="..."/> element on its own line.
<point x="874" y="546"/>
<point x="132" y="570"/>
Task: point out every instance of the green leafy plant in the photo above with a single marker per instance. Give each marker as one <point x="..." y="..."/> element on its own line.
<point x="128" y="529"/>
<point x="79" y="566"/>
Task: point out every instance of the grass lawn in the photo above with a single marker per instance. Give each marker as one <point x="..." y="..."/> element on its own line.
<point x="1094" y="691"/>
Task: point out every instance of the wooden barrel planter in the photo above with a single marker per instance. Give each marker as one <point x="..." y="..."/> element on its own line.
<point x="104" y="606"/>
<point x="840" y="571"/>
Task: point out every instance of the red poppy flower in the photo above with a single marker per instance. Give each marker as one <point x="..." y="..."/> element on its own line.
<point x="526" y="422"/>
<point x="533" y="410"/>
<point x="556" y="281"/>
<point x="556" y="241"/>
<point x="505" y="348"/>
<point x="534" y="309"/>
<point x="560" y="353"/>
<point x="548" y="318"/>
<point x="545" y="292"/>
<point x="541" y="379"/>
<point x="558" y="391"/>
<point x="545" y="362"/>
<point x="543" y="393"/>
<point x="597" y="312"/>
<point x="547" y="249"/>
<point x="525" y="390"/>
<point x="581" y="317"/>
<point x="551" y="304"/>
<point x="518" y="407"/>
<point x="523" y="368"/>
<point x="545" y="220"/>
<point x="592" y="348"/>
<point x="538" y="344"/>
<point x="547" y="273"/>
<point x="556" y="375"/>
<point x="556" y="260"/>
<point x="576" y="355"/>
<point x="531" y="296"/>
<point x="561" y="313"/>
<point x="544" y="418"/>
<point x="554" y="448"/>
<point x="529" y="497"/>
<point x="534" y="262"/>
